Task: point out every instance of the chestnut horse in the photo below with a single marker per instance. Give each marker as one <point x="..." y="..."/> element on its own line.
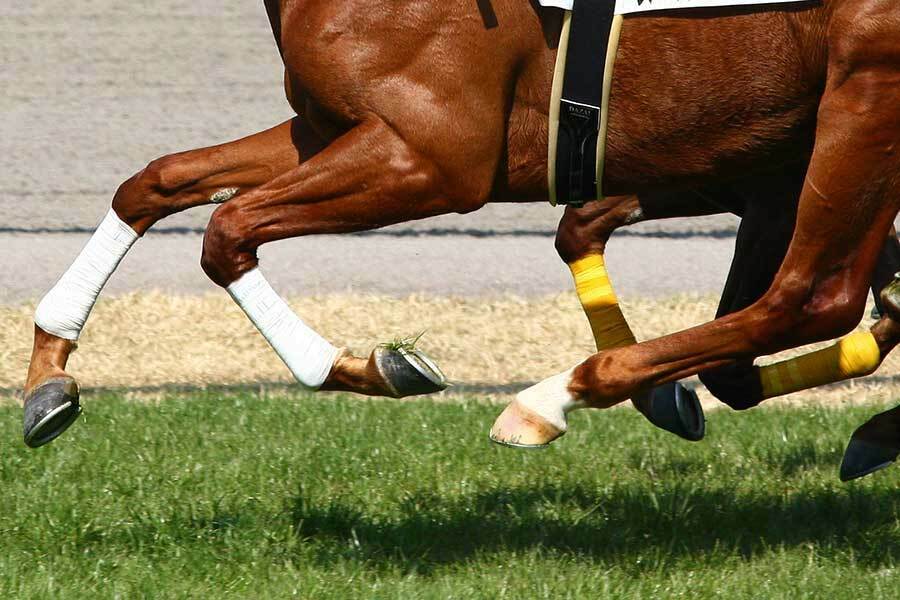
<point x="413" y="109"/>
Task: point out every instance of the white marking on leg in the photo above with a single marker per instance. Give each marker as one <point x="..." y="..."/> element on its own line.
<point x="65" y="308"/>
<point x="552" y="399"/>
<point x="224" y="195"/>
<point x="307" y="354"/>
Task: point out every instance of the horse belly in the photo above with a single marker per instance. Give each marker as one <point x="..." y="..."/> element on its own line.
<point x="703" y="99"/>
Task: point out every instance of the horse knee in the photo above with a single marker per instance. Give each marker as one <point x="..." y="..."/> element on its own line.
<point x="146" y="197"/>
<point x="795" y="315"/>
<point x="570" y="240"/>
<point x="228" y="249"/>
<point x="841" y="314"/>
<point x="580" y="233"/>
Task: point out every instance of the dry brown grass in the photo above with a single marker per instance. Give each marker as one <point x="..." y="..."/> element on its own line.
<point x="489" y="346"/>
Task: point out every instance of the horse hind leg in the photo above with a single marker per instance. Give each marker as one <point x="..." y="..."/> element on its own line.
<point x="166" y="186"/>
<point x="367" y="178"/>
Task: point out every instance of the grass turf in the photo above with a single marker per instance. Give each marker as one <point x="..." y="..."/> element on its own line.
<point x="205" y="495"/>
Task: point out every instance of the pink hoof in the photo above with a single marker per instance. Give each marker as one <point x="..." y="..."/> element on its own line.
<point x="521" y="427"/>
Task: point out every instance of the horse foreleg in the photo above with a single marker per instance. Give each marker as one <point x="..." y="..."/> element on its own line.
<point x="581" y="240"/>
<point x="886" y="270"/>
<point x="367" y="178"/>
<point x="165" y="186"/>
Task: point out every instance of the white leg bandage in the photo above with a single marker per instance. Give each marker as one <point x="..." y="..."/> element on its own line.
<point x="67" y="305"/>
<point x="551" y="399"/>
<point x="307" y="354"/>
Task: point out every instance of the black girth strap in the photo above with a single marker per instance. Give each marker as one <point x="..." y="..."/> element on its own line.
<point x="579" y="107"/>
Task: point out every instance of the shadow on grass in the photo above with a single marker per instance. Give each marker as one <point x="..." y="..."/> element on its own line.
<point x="619" y="527"/>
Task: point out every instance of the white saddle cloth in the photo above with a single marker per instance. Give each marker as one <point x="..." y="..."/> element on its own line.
<point x="624" y="7"/>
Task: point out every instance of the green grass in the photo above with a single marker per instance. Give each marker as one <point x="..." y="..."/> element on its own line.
<point x="210" y="496"/>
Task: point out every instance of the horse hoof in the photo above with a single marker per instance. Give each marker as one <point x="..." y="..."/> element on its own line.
<point x="676" y="409"/>
<point x="863" y="458"/>
<point x="519" y="427"/>
<point x="409" y="371"/>
<point x="873" y="446"/>
<point x="50" y="409"/>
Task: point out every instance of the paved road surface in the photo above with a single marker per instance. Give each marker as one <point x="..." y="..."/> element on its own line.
<point x="92" y="90"/>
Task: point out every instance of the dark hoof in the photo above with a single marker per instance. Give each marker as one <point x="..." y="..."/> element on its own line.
<point x="409" y="371"/>
<point x="50" y="409"/>
<point x="676" y="409"/>
<point x="862" y="458"/>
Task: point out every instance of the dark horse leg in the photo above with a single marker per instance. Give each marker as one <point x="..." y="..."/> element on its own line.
<point x="767" y="224"/>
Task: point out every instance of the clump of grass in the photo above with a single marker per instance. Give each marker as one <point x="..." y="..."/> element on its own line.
<point x="408" y="343"/>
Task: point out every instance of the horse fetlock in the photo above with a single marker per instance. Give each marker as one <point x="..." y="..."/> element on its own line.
<point x="606" y="378"/>
<point x="40" y="372"/>
<point x="890" y="298"/>
<point x="49" y="356"/>
<point x="351" y="373"/>
<point x="886" y="333"/>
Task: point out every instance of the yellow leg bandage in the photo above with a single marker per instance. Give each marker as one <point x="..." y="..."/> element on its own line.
<point x="853" y="356"/>
<point x="600" y="303"/>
